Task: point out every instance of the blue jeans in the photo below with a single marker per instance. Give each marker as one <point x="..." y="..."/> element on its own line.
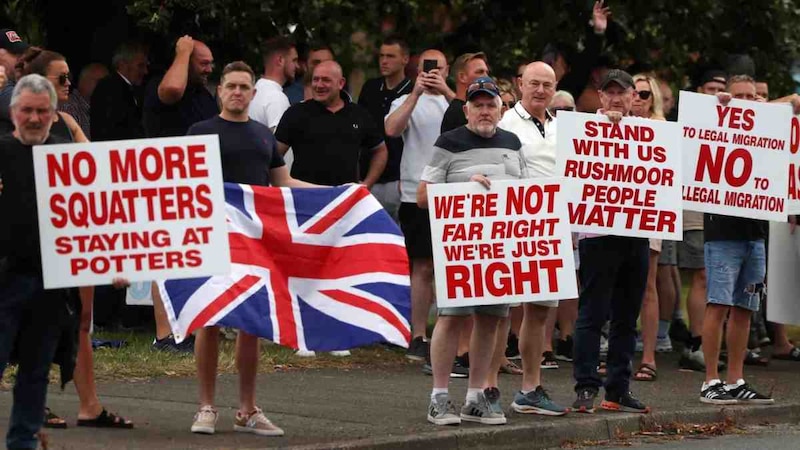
<point x="30" y="318"/>
<point x="613" y="277"/>
<point x="735" y="271"/>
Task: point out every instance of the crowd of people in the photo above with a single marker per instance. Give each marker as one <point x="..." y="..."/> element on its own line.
<point x="296" y="124"/>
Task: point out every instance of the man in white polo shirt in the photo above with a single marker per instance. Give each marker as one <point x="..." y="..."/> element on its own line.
<point x="417" y="117"/>
<point x="280" y="65"/>
<point x="536" y="129"/>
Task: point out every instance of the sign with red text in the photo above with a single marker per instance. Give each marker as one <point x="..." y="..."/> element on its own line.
<point x="793" y="204"/>
<point x="508" y="244"/>
<point x="626" y="175"/>
<point x="141" y="209"/>
<point x="735" y="156"/>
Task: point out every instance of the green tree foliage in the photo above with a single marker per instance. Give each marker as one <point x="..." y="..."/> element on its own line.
<point x="671" y="36"/>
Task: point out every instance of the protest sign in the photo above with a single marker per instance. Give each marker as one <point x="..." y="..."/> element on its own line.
<point x="782" y="280"/>
<point x="721" y="145"/>
<point x="139" y="293"/>
<point x="793" y="204"/>
<point x="626" y="176"/>
<point x="140" y="209"/>
<point x="508" y="244"/>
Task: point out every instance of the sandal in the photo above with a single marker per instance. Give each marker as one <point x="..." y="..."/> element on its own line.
<point x="106" y="420"/>
<point x="51" y="420"/>
<point x="752" y="358"/>
<point x="646" y="372"/>
<point x="793" y="355"/>
<point x="510" y="368"/>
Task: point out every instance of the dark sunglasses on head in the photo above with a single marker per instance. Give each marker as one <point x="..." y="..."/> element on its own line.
<point x="63" y="78"/>
<point x="483" y="85"/>
<point x="644" y="95"/>
<point x="555" y="110"/>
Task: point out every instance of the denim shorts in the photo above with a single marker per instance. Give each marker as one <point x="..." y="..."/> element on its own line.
<point x="735" y="272"/>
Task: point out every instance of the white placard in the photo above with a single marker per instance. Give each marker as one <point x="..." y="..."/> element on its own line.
<point x="626" y="176"/>
<point x="735" y="156"/>
<point x="508" y="244"/>
<point x="138" y="209"/>
<point x="139" y="293"/>
<point x="783" y="284"/>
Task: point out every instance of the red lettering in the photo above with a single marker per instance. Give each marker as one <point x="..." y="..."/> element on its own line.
<point x="77" y="265"/>
<point x="57" y="207"/>
<point x="457" y="278"/>
<point x="193" y="258"/>
<point x="123" y="171"/>
<point x="714" y="164"/>
<point x="151" y="156"/>
<point x="795" y="138"/>
<point x="197" y="161"/>
<point x="63" y="245"/>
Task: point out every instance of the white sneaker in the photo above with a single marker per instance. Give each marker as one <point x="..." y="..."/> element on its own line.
<point x="341" y="353"/>
<point x="306" y="353"/>
<point x="205" y="420"/>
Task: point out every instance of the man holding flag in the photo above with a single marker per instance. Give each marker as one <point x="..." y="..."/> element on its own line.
<point x="312" y="269"/>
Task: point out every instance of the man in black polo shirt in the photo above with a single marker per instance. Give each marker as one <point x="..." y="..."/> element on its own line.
<point x="172" y="104"/>
<point x="31" y="318"/>
<point x="377" y="96"/>
<point x="328" y="134"/>
<point x="180" y="98"/>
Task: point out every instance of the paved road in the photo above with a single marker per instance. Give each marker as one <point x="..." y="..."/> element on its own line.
<point x="779" y="437"/>
<point x="327" y="408"/>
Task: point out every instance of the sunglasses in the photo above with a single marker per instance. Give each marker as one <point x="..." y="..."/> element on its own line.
<point x="63" y="78"/>
<point x="483" y="85"/>
<point x="554" y="111"/>
<point x="644" y="95"/>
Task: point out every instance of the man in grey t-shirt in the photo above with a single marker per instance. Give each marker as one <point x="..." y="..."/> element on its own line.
<point x="477" y="152"/>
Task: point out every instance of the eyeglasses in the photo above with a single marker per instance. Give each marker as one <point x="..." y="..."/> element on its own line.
<point x="63" y="78"/>
<point x="483" y="85"/>
<point x="644" y="95"/>
<point x="554" y="111"/>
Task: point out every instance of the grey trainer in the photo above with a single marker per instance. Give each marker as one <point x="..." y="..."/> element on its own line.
<point x="442" y="412"/>
<point x="483" y="411"/>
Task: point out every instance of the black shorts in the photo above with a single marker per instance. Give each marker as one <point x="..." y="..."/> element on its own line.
<point x="416" y="226"/>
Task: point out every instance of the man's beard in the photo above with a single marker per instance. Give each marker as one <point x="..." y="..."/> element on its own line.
<point x="485" y="130"/>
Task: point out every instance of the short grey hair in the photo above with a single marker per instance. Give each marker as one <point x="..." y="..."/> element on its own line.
<point x="565" y="95"/>
<point x="37" y="84"/>
<point x="497" y="100"/>
<point x="126" y="52"/>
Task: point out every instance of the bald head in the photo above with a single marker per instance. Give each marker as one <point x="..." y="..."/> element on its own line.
<point x="327" y="83"/>
<point x="332" y="68"/>
<point x="201" y="63"/>
<point x="441" y="61"/>
<point x="538" y="85"/>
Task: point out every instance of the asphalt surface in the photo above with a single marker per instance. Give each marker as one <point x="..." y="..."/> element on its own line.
<point x="386" y="408"/>
<point x="780" y="437"/>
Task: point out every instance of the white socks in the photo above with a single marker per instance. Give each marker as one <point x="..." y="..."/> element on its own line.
<point x="472" y="394"/>
<point x="437" y="391"/>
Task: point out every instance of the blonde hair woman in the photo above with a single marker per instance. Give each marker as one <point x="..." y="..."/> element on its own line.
<point x="647" y="103"/>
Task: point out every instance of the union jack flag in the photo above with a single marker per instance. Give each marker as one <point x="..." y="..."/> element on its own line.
<point x="312" y="269"/>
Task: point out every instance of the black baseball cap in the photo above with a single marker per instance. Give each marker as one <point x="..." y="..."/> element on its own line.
<point x="10" y="40"/>
<point x="619" y="76"/>
<point x="485" y="85"/>
<point x="713" y="76"/>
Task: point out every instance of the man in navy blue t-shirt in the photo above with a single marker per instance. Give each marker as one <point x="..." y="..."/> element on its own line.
<point x="249" y="156"/>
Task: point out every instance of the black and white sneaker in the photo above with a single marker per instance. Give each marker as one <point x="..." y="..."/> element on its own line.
<point x="714" y="393"/>
<point x="746" y="394"/>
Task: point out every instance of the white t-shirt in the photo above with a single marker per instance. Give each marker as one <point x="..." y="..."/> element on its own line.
<point x="418" y="138"/>
<point x="538" y="152"/>
<point x="269" y="104"/>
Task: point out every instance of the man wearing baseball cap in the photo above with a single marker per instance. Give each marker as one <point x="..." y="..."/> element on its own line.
<point x="613" y="275"/>
<point x="11" y="48"/>
<point x="477" y="152"/>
